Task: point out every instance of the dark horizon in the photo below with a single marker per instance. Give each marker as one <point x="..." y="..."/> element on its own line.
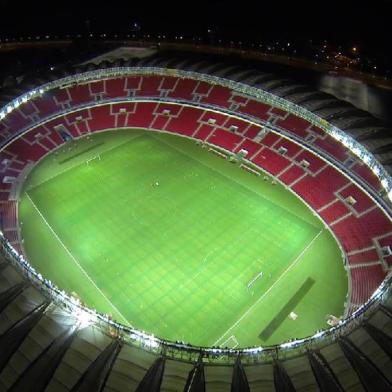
<point x="357" y="31"/>
<point x="342" y="23"/>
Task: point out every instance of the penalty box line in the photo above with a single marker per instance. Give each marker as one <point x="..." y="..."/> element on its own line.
<point x="296" y="260"/>
<point x="77" y="164"/>
<point x="232" y="337"/>
<point x="76" y="262"/>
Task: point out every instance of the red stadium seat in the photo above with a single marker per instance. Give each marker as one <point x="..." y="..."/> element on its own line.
<point x="332" y="147"/>
<point x="357" y="233"/>
<point x="218" y="96"/>
<point x="183" y="89"/>
<point x="224" y="139"/>
<point x="315" y="163"/>
<point x="362" y="257"/>
<point x="25" y="151"/>
<point x="257" y="110"/>
<point x="319" y="190"/>
<point x="334" y="211"/>
<point x="150" y="86"/>
<point x="9" y="215"/>
<point x="364" y="281"/>
<point x="46" y="105"/>
<point x="270" y="139"/>
<point x="115" y="88"/>
<point x="292" y="148"/>
<point x="80" y="94"/>
<point x="360" y="228"/>
<point x="249" y="146"/>
<point x="186" y="123"/>
<point x="366" y="173"/>
<point x="294" y="125"/>
<point x="293" y="173"/>
<point x="143" y="115"/>
<point x="363" y="202"/>
<point x="271" y="161"/>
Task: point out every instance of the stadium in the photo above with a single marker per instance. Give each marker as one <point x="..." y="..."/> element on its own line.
<point x="179" y="224"/>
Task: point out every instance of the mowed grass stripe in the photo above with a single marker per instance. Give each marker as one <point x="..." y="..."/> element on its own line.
<point x="287" y="309"/>
<point x="71" y="156"/>
<point x="74" y="260"/>
<point x="175" y="257"/>
<point x="249" y="311"/>
<point x="230" y="178"/>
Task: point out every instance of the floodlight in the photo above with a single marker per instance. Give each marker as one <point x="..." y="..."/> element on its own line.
<point x="84" y="318"/>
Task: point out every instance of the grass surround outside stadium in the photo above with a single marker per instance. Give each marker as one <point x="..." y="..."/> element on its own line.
<point x="175" y="259"/>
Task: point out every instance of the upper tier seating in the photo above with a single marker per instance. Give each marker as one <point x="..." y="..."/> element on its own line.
<point x="356" y="226"/>
<point x="319" y="190"/>
<point x="184" y="89"/>
<point x="364" y="281"/>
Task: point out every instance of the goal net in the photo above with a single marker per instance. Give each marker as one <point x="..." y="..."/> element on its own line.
<point x="93" y="160"/>
<point x="254" y="280"/>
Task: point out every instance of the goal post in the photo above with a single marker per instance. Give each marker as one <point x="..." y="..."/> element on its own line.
<point x="254" y="280"/>
<point x="93" y="159"/>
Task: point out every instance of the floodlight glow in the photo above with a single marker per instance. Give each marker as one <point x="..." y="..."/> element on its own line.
<point x="357" y="151"/>
<point x="152" y="342"/>
<point x="292" y="343"/>
<point x="376" y="170"/>
<point x="377" y="293"/>
<point x="84" y="318"/>
<point x="253" y="350"/>
<point x="287" y="345"/>
<point x="335" y="134"/>
<point x="346" y="142"/>
<point x="366" y="159"/>
<point x="318" y="334"/>
<point x="74" y="300"/>
<point x="148" y="340"/>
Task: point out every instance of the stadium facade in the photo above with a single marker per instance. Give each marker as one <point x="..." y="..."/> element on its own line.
<point x="333" y="156"/>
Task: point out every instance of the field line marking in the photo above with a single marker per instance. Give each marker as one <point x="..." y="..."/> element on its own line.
<point x="296" y="260"/>
<point x="234" y="339"/>
<point x="77" y="164"/>
<point x="237" y="182"/>
<point x="75" y="261"/>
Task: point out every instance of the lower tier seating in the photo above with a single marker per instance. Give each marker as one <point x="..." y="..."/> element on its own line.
<point x="325" y="189"/>
<point x="183" y="89"/>
<point x="364" y="281"/>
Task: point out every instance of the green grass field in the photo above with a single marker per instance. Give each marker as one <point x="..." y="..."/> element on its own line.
<point x="175" y="259"/>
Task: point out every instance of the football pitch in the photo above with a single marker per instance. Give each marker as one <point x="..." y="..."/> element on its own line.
<point x="171" y="239"/>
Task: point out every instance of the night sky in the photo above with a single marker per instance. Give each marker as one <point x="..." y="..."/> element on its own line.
<point x="366" y="24"/>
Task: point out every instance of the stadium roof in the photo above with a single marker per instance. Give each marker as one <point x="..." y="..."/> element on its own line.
<point x="47" y="348"/>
